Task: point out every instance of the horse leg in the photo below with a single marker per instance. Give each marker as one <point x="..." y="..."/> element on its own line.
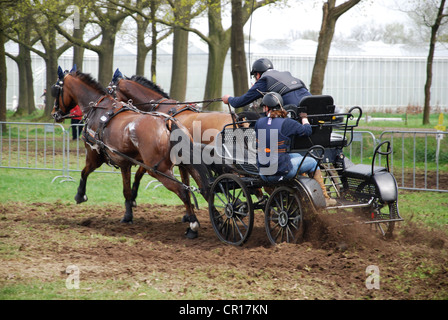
<point x="93" y="161"/>
<point x="138" y="177"/>
<point x="127" y="193"/>
<point x="184" y="195"/>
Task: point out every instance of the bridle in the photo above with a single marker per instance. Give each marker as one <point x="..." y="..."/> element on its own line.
<point x="57" y="91"/>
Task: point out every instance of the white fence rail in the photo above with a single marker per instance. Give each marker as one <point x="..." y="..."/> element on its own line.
<point x="419" y="160"/>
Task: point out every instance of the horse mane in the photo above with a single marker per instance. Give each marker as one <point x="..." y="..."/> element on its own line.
<point x="149" y="84"/>
<point x="89" y="80"/>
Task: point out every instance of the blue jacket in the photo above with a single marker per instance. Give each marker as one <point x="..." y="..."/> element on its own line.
<point x="264" y="84"/>
<point x="286" y="129"/>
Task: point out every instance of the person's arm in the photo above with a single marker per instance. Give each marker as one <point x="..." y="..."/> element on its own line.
<point x="292" y="127"/>
<point x="251" y="95"/>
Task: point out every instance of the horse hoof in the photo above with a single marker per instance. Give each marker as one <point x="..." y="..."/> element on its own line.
<point x="127" y="221"/>
<point x="80" y="199"/>
<point x="190" y="234"/>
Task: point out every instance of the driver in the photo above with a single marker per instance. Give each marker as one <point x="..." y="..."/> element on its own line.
<point x="287" y="163"/>
<point x="269" y="80"/>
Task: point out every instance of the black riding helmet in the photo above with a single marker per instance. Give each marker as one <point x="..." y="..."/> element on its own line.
<point x="272" y="100"/>
<point x="261" y="65"/>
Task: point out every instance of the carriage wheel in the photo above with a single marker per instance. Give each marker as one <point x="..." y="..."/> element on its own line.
<point x="382" y="212"/>
<point x="231" y="209"/>
<point x="284" y="216"/>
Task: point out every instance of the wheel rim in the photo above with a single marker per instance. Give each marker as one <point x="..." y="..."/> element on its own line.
<point x="231" y="210"/>
<point x="284" y="216"/>
<point x="385" y="229"/>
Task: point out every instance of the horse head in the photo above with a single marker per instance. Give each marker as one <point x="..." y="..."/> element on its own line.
<point x="76" y="88"/>
<point x="63" y="100"/>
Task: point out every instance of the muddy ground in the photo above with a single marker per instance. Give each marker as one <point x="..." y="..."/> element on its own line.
<point x="43" y="239"/>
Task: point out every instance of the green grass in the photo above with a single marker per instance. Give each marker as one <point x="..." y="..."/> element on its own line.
<point x="32" y="186"/>
<point x="107" y="290"/>
<point x="409" y="121"/>
<point x="434" y="212"/>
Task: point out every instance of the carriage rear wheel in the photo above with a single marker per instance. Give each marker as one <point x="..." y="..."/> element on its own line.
<point x="382" y="212"/>
<point x="284" y="216"/>
<point x="231" y="209"/>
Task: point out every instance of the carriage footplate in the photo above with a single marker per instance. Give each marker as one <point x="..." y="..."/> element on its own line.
<point x="347" y="204"/>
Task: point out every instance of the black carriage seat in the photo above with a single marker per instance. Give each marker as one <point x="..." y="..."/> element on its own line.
<point x="316" y="105"/>
<point x="363" y="171"/>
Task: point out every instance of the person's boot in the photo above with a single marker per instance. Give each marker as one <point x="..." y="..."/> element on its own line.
<point x="329" y="201"/>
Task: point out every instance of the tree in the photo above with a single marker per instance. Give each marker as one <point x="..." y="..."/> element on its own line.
<point x="331" y="14"/>
<point x="5" y="6"/>
<point x="21" y="29"/>
<point x="218" y="41"/>
<point x="143" y="22"/>
<point x="439" y="17"/>
<point x="109" y="18"/>
<point x="178" y="18"/>
<point x="238" y="54"/>
<point x="183" y="13"/>
<point x="44" y="17"/>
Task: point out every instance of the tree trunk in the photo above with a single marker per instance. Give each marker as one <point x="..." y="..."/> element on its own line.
<point x="218" y="44"/>
<point x="142" y="50"/>
<point x="216" y="59"/>
<point x="238" y="54"/>
<point x="331" y="14"/>
<point x="22" y="99"/>
<point x="3" y="74"/>
<point x="432" y="45"/>
<point x="30" y="104"/>
<point x="78" y="51"/>
<point x="51" y="62"/>
<point x="179" y="73"/>
<point x="153" y="43"/>
<point x="106" y="56"/>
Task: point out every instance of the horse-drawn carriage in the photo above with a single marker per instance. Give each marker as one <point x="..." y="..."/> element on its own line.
<point x="369" y="190"/>
<point x="118" y="133"/>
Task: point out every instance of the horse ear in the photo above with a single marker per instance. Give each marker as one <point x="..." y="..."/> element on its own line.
<point x="117" y="75"/>
<point x="73" y="69"/>
<point x="60" y="73"/>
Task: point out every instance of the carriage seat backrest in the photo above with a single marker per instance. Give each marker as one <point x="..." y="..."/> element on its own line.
<point x="315" y="105"/>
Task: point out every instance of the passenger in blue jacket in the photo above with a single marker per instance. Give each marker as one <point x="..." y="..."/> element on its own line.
<point x="274" y="133"/>
<point x="267" y="79"/>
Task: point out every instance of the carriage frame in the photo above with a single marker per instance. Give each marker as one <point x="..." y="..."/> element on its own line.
<point x="369" y="191"/>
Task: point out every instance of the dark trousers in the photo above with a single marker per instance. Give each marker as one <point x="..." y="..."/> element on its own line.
<point x="76" y="129"/>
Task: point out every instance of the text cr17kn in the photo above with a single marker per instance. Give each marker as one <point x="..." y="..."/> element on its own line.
<point x="245" y="309"/>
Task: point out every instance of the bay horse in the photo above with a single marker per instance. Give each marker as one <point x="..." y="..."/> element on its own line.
<point x="149" y="97"/>
<point x="116" y="134"/>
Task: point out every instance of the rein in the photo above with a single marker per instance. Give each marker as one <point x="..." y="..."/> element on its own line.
<point x="178" y="102"/>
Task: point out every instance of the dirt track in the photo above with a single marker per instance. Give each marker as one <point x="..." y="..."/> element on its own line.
<point x="152" y="253"/>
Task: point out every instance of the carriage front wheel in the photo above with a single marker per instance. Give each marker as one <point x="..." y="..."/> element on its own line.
<point x="284" y="216"/>
<point x="231" y="209"/>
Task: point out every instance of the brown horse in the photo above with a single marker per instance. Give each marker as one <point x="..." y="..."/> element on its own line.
<point x="116" y="134"/>
<point x="147" y="96"/>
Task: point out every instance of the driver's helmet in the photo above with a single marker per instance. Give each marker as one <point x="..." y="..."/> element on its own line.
<point x="272" y="100"/>
<point x="261" y="65"/>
